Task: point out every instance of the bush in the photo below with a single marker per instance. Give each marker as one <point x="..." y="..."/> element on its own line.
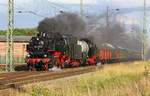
<point x="19" y="32"/>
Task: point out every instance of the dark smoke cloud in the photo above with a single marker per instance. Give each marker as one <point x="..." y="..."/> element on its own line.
<point x="95" y="29"/>
<point x="116" y="34"/>
<point x="65" y="23"/>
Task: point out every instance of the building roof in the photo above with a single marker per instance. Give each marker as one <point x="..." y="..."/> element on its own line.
<point x="17" y="38"/>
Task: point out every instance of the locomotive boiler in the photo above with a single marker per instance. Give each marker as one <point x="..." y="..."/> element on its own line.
<point x="48" y="50"/>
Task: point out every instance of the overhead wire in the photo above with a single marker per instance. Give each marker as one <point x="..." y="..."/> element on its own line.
<point x="60" y="6"/>
<point x="22" y="10"/>
<point x="55" y="6"/>
<point x="52" y="5"/>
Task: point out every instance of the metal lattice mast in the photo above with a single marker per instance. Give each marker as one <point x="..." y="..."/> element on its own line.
<point x="144" y="32"/>
<point x="9" y="49"/>
<point x="107" y="25"/>
<point x="81" y="8"/>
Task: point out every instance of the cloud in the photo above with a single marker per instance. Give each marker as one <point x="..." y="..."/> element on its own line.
<point x="114" y="2"/>
<point x="3" y="1"/>
<point x="131" y="2"/>
<point x="74" y="1"/>
<point x="124" y="3"/>
<point x="16" y="1"/>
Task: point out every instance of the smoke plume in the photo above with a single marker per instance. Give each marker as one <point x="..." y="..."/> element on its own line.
<point x="65" y="23"/>
<point x="116" y="34"/>
<point x="96" y="29"/>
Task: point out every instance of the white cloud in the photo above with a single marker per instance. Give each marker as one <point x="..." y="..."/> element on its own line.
<point x="122" y="2"/>
<point x="3" y="1"/>
<point x="16" y="1"/>
<point x="131" y="2"/>
<point x="55" y="1"/>
<point x="74" y="1"/>
<point x="22" y="1"/>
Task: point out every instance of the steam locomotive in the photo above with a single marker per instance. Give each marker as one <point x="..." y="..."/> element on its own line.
<point x="47" y="50"/>
<point x="61" y="50"/>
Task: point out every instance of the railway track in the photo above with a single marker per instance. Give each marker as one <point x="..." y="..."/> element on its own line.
<point x="18" y="67"/>
<point x="16" y="79"/>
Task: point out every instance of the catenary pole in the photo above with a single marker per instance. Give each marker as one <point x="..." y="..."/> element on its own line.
<point x="144" y="33"/>
<point x="9" y="35"/>
<point x="107" y="24"/>
<point x="81" y="8"/>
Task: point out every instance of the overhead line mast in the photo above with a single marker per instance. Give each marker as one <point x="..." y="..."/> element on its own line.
<point x="81" y="8"/>
<point x="107" y="25"/>
<point x="9" y="35"/>
<point x="144" y="33"/>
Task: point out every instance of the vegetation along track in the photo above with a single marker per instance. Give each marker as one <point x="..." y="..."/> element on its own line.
<point x="15" y="79"/>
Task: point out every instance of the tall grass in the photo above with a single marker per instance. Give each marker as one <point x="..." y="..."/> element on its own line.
<point x="112" y="80"/>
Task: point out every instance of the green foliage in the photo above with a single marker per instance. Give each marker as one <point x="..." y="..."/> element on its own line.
<point x="19" y="32"/>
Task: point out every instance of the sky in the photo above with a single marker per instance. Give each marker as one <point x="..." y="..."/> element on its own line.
<point x="56" y="1"/>
<point x="131" y="2"/>
<point x="123" y="2"/>
<point x="74" y="1"/>
<point x="27" y="20"/>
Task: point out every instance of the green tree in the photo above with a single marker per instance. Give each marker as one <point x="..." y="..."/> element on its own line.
<point x="20" y="32"/>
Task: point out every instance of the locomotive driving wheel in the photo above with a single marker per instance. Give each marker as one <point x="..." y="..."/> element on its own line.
<point x="31" y="67"/>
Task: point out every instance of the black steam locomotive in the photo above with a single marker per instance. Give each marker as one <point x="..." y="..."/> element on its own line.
<point x="48" y="50"/>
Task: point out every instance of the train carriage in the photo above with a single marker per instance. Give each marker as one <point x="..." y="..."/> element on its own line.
<point x="109" y="54"/>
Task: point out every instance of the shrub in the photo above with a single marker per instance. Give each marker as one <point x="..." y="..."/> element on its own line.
<point x="19" y="32"/>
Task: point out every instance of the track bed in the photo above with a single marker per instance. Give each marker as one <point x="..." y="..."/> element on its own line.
<point x="15" y="79"/>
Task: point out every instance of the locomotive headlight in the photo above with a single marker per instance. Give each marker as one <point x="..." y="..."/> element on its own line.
<point x="28" y="55"/>
<point x="45" y="55"/>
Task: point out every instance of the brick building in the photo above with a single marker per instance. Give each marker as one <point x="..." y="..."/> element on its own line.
<point x="19" y="51"/>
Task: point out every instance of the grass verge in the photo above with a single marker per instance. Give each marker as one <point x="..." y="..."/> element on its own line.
<point x="113" y="80"/>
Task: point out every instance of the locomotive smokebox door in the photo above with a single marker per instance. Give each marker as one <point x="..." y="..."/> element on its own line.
<point x="78" y="52"/>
